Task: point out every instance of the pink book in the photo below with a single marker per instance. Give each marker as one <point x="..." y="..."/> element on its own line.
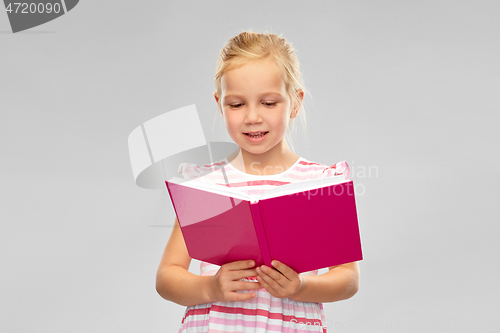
<point x="307" y="225"/>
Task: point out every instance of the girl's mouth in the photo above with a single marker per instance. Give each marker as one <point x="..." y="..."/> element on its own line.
<point x="256" y="134"/>
<point x="256" y="137"/>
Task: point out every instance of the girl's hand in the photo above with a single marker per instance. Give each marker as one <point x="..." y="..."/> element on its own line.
<point x="225" y="283"/>
<point x="285" y="284"/>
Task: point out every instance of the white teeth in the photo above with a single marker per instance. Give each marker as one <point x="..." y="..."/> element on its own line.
<point x="256" y="135"/>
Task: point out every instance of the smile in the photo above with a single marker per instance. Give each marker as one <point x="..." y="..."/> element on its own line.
<point x="256" y="134"/>
<point x="256" y="137"/>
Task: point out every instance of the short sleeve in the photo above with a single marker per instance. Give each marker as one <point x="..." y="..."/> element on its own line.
<point x="189" y="170"/>
<point x="337" y="169"/>
<point x="193" y="171"/>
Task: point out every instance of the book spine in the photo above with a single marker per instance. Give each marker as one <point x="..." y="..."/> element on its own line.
<point x="261" y="232"/>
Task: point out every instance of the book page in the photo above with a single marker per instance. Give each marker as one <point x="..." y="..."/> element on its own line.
<point x="288" y="189"/>
<point x="302" y="186"/>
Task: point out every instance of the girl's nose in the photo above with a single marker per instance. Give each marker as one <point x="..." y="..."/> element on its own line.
<point x="253" y="115"/>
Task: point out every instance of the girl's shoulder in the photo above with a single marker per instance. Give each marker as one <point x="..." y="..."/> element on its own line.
<point x="319" y="170"/>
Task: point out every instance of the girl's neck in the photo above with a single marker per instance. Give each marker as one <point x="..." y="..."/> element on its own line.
<point x="277" y="160"/>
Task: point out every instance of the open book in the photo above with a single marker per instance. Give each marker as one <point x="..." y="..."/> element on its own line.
<point x="306" y="225"/>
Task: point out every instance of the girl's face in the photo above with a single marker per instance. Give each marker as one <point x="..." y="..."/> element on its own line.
<point x="255" y="106"/>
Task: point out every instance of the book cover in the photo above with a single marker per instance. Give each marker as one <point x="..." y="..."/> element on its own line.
<point x="306" y="225"/>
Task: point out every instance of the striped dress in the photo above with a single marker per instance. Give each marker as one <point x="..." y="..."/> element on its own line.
<point x="263" y="313"/>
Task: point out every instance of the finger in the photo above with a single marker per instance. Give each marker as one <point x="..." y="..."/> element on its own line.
<point x="270" y="277"/>
<point x="274" y="274"/>
<point x="242" y="264"/>
<point x="285" y="270"/>
<point x="241" y="274"/>
<point x="238" y="296"/>
<point x="265" y="281"/>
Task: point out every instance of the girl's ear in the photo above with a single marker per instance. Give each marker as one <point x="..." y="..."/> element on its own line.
<point x="217" y="101"/>
<point x="297" y="103"/>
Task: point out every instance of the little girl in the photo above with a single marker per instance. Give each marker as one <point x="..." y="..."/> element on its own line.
<point x="259" y="92"/>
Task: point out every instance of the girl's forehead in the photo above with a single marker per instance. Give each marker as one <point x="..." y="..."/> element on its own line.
<point x="255" y="75"/>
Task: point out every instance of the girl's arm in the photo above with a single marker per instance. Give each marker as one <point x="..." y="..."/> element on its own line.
<point x="175" y="283"/>
<point x="339" y="283"/>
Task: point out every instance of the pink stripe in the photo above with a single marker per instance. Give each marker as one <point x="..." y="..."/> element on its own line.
<point x="247" y="312"/>
<point x="234" y="325"/>
<point x="211" y="165"/>
<point x="259" y="324"/>
<point x="308" y="163"/>
<point x="195" y="312"/>
<point x="269" y="328"/>
<point x="281" y="330"/>
<point x="332" y="167"/>
<point x="264" y="300"/>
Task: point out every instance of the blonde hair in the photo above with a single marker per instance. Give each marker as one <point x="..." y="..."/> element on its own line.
<point x="249" y="46"/>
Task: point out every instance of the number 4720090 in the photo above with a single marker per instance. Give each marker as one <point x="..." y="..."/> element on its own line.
<point x="32" y="8"/>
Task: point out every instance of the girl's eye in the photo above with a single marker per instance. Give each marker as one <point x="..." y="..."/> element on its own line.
<point x="270" y="103"/>
<point x="235" y="106"/>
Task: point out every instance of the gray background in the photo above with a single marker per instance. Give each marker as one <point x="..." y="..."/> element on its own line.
<point x="408" y="88"/>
